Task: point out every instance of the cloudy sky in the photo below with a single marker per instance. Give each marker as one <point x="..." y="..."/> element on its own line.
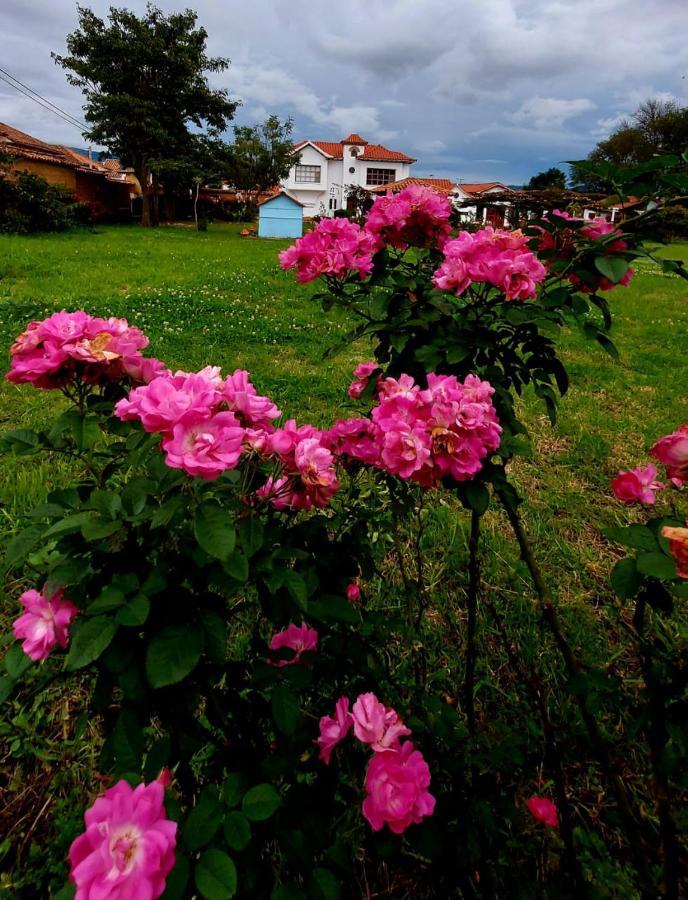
<point x="475" y="89"/>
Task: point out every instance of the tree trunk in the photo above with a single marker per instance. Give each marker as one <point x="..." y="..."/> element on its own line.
<point x="143" y="174"/>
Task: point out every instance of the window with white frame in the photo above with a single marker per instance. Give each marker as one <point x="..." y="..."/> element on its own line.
<point x="307" y="174"/>
<point x="333" y="202"/>
<point x="380" y="176"/>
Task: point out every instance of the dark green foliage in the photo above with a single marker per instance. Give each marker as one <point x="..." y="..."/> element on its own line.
<point x="145" y="85"/>
<point x="29" y="204"/>
<point x="260" y="156"/>
<point x="550" y="178"/>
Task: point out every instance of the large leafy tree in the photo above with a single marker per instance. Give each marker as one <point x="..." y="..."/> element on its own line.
<point x="656" y="128"/>
<point x="145" y="83"/>
<point x="550" y="178"/>
<point x="261" y="156"/>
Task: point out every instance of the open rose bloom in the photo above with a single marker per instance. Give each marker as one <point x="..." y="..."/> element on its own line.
<point x="637" y="485"/>
<point x="67" y="346"/>
<point x="127" y="850"/>
<point x="44" y="623"/>
<point x="299" y="638"/>
<point x="678" y="547"/>
<point x="672" y="452"/>
<point x="333" y="729"/>
<point x="396" y="785"/>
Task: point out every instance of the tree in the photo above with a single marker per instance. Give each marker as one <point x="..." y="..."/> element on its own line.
<point x="261" y="156"/>
<point x="551" y="178"/>
<point x="145" y="84"/>
<point x="656" y="128"/>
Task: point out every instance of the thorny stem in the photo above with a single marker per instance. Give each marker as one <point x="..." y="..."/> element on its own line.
<point x="657" y="736"/>
<point x="473" y="589"/>
<point x="599" y="745"/>
<point x="533" y="683"/>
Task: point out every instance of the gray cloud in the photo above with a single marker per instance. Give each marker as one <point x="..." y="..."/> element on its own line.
<point x="496" y="88"/>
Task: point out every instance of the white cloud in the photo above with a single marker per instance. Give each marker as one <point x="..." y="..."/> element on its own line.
<point x="549" y="112"/>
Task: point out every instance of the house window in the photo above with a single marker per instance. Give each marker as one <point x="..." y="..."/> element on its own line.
<point x="381" y="176"/>
<point x="307" y="175"/>
<point x="333" y="202"/>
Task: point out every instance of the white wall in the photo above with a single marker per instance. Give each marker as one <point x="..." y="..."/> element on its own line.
<point x="334" y="178"/>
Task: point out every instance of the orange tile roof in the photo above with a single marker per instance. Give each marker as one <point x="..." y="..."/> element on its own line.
<point x="472" y="188"/>
<point x="372" y="152"/>
<point x="18" y="143"/>
<point x="113" y="164"/>
<point x="353" y="138"/>
<point x="441" y="185"/>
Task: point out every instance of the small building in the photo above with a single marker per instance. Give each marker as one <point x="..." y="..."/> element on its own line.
<point x="280" y="216"/>
<point x="324" y="171"/>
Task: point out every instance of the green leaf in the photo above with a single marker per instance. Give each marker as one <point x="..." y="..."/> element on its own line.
<point x="175" y="884"/>
<point x="109" y="598"/>
<point x="16" y="661"/>
<point x="332" y="608"/>
<point x="107" y="503"/>
<point x="90" y="638"/>
<point x="233" y="788"/>
<point x="657" y="565"/>
<point x="237" y="830"/>
<point x="625" y="578"/>
<point x="65" y="893"/>
<point x="251" y="535"/>
<point x="135" y="612"/>
<point x="214" y="530"/>
<point x="477" y="497"/>
<point x="85" y="430"/>
<point x="6" y="687"/>
<point x="127" y="742"/>
<point x="95" y="529"/>
<point x="165" y="513"/>
<point x="285" y="710"/>
<point x="287" y="891"/>
<point x="237" y="566"/>
<point x="20" y="441"/>
<point x="20" y="545"/>
<point x="612" y="267"/>
<point x="68" y="525"/>
<point x="639" y="537"/>
<point x="202" y="824"/>
<point x="215" y="628"/>
<point x="173" y="653"/>
<point x="260" y="802"/>
<point x="216" y="875"/>
<point x="325" y="885"/>
<point x="296" y="586"/>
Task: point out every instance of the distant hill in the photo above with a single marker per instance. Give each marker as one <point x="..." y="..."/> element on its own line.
<point x="96" y="155"/>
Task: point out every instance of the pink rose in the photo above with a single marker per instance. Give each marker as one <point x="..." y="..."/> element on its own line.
<point x="376" y="724"/>
<point x="543" y="810"/>
<point x="396" y="787"/>
<point x="334" y="729"/>
<point x="353" y="592"/>
<point x="335" y="247"/>
<point x="127" y="850"/>
<point x="205" y="448"/>
<point x="417" y="216"/>
<point x="299" y="638"/>
<point x="637" y="485"/>
<point x="672" y="452"/>
<point x="44" y="624"/>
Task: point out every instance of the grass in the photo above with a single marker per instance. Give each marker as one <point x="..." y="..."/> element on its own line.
<point x="215" y="298"/>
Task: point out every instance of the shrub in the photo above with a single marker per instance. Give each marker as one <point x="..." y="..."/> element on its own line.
<point x="28" y="203"/>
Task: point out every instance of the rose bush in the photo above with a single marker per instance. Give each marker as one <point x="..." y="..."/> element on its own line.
<point x="218" y="579"/>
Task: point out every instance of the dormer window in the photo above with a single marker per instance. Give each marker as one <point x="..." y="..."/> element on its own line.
<point x="354" y="151"/>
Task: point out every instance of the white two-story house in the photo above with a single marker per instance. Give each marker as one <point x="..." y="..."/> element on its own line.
<point x="326" y="169"/>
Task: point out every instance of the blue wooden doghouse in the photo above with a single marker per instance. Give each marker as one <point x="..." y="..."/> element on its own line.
<point x="280" y="216"/>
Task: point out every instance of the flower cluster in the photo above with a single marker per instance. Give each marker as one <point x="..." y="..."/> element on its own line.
<point x="563" y="244"/>
<point x="417" y="216"/>
<point x="491" y="256"/>
<point x="639" y="485"/>
<point x="446" y="430"/>
<point x="397" y="778"/>
<point x="44" y="623"/>
<point x="335" y="247"/>
<point x="55" y="352"/>
<point x="307" y="478"/>
<point x="206" y="423"/>
<point x="299" y="638"/>
<point x="128" y="847"/>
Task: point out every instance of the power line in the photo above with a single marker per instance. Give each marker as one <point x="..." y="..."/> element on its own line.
<point x="40" y="100"/>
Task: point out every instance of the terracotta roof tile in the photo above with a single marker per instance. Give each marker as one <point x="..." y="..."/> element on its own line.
<point x="353" y="138"/>
<point x="478" y="188"/>
<point x="441" y="185"/>
<point x="373" y="152"/>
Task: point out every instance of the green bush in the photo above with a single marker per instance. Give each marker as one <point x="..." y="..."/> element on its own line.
<point x="28" y="204"/>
